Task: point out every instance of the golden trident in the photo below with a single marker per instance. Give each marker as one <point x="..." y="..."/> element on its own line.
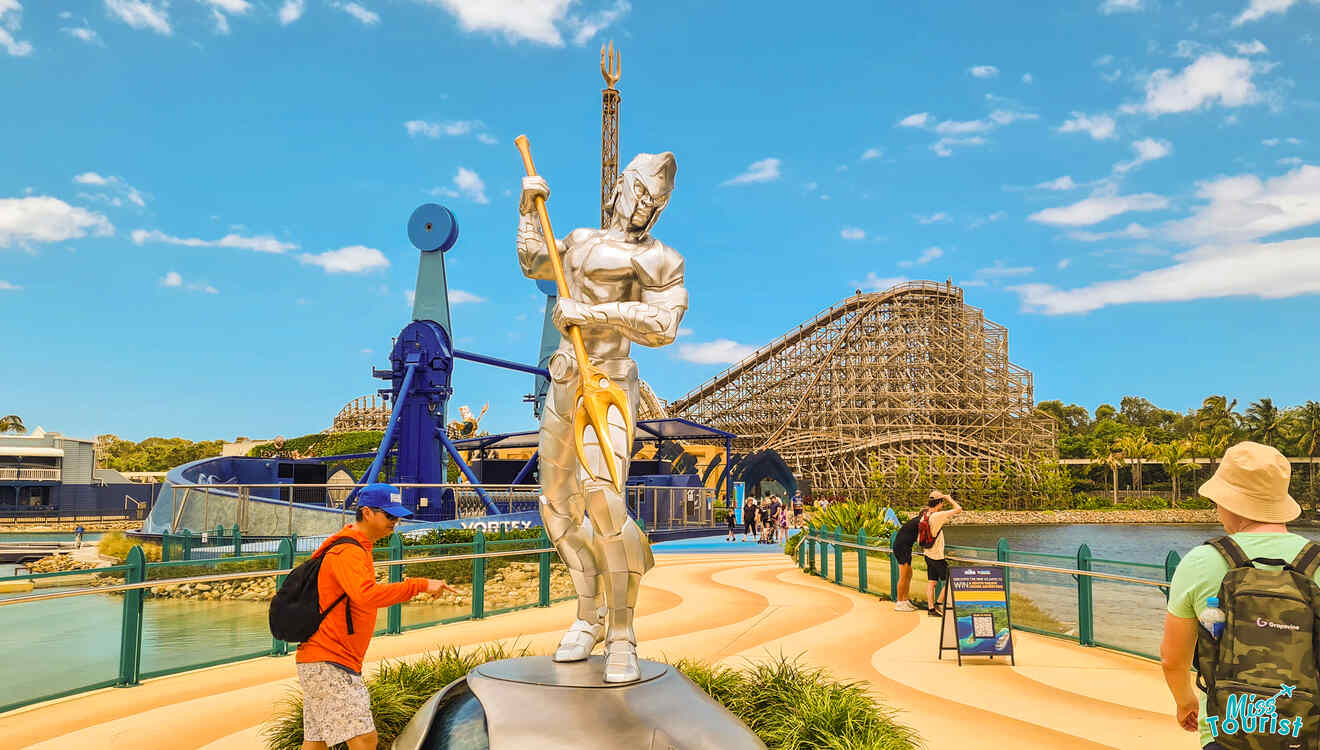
<point x="595" y="393"/>
<point x="609" y="65"/>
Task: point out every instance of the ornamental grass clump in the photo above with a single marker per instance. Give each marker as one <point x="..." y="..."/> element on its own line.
<point x="787" y="705"/>
<point x="850" y="518"/>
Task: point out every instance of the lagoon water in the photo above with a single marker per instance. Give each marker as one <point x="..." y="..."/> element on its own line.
<point x="64" y="644"/>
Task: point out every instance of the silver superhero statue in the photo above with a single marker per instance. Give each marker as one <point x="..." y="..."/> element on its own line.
<point x="624" y="286"/>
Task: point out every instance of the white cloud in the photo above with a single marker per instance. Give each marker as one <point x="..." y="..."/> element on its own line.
<point x="927" y="255"/>
<point x="221" y="22"/>
<point x="438" y="129"/>
<point x="684" y="331"/>
<point x="117" y="184"/>
<point x="983" y="71"/>
<point x="717" y="352"/>
<point x="351" y="259"/>
<point x="943" y="147"/>
<point x="1254" y="47"/>
<point x="1245" y="207"/>
<point x="999" y="270"/>
<point x="1109" y="7"/>
<point x="410" y="295"/>
<point x="1212" y="77"/>
<point x="1291" y="161"/>
<point x="963" y="127"/>
<point x="765" y="170"/>
<point x="1097" y="208"/>
<point x="1104" y="60"/>
<point x="878" y="283"/>
<point x="1265" y="271"/>
<point x="1132" y="231"/>
<point x="852" y="233"/>
<point x="872" y="153"/>
<point x="1271" y="142"/>
<point x="367" y="351"/>
<point x="516" y="19"/>
<point x="1148" y="149"/>
<point x="291" y="11"/>
<point x="935" y="218"/>
<point x="45" y="219"/>
<point x="174" y="280"/>
<point x="996" y="216"/>
<point x="10" y="22"/>
<point x="1026" y="78"/>
<point x="919" y="120"/>
<point x="141" y="14"/>
<point x="1059" y="183"/>
<point x="1111" y="76"/>
<point x="469" y="184"/>
<point x="459" y="297"/>
<point x="487" y="138"/>
<point x="1258" y="9"/>
<point x="365" y="16"/>
<point x="1063" y="263"/>
<point x="584" y="28"/>
<point x="5" y="286"/>
<point x="82" y="32"/>
<point x="260" y="244"/>
<point x="236" y="7"/>
<point x="1099" y="127"/>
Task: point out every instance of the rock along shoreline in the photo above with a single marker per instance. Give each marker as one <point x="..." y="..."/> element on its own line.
<point x="1029" y="517"/>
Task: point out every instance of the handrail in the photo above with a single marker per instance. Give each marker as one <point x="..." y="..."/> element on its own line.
<point x="999" y="563"/>
<point x="253" y="574"/>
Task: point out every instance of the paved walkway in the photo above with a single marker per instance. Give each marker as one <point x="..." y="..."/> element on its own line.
<point x="727" y="608"/>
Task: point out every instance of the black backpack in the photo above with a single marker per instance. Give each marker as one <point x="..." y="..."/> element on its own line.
<point x="295" y="612"/>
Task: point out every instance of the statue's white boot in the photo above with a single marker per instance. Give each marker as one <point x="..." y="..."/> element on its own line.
<point x="580" y="641"/>
<point x="621" y="662"/>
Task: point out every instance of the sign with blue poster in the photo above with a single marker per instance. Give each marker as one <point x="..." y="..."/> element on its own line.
<point x="739" y="490"/>
<point x="976" y="616"/>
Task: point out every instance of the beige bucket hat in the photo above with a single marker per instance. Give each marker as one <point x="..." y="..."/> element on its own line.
<point x="1252" y="481"/>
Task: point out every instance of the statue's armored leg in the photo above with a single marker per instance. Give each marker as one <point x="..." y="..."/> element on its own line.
<point x="622" y="552"/>
<point x="562" y="509"/>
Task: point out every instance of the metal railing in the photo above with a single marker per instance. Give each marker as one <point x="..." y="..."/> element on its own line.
<point x="36" y="475"/>
<point x="1051" y="599"/>
<point x="47" y="677"/>
<point x="202" y="506"/>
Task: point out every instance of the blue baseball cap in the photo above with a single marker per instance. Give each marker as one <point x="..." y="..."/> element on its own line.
<point x="384" y="497"/>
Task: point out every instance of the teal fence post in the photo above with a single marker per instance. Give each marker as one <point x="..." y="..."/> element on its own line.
<point x="1001" y="554"/>
<point x="278" y="647"/>
<point x="824" y="555"/>
<point x="1085" y="623"/>
<point x="893" y="567"/>
<point x="238" y="541"/>
<point x="166" y="546"/>
<point x="838" y="555"/>
<point x="187" y="544"/>
<point x="479" y="576"/>
<point x="810" y="544"/>
<point x="130" y="644"/>
<point x="861" y="561"/>
<point x="219" y="534"/>
<point x="543" y="599"/>
<point x="1170" y="564"/>
<point x="394" y="620"/>
<point x="801" y="555"/>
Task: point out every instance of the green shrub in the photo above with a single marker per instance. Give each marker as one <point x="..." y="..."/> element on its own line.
<point x="787" y="705"/>
<point x="115" y="544"/>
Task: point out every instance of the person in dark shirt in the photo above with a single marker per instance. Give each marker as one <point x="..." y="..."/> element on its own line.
<point x="730" y="521"/>
<point x="907" y="536"/>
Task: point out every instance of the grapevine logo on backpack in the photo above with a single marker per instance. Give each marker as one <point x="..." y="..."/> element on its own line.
<point x="1261" y="677"/>
<point x="295" y="612"/>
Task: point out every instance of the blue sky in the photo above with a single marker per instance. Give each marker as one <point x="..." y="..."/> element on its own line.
<point x="203" y="203"/>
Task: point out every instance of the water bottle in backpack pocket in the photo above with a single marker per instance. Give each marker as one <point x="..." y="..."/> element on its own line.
<point x="1261" y="675"/>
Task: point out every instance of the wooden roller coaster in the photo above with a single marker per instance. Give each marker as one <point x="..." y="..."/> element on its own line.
<point x="880" y="381"/>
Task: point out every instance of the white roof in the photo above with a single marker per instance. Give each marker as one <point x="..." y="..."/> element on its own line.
<point x="12" y="450"/>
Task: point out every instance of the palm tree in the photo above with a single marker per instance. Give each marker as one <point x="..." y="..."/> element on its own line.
<point x="1172" y="455"/>
<point x="1263" y="422"/>
<point x="12" y="423"/>
<point x="1306" y="430"/>
<point x="1109" y="458"/>
<point x="1135" y="447"/>
<point x="1216" y="416"/>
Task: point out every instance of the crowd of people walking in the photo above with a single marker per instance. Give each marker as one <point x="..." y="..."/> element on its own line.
<point x="766" y="520"/>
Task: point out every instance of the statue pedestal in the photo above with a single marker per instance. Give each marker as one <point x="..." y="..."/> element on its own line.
<point x="532" y="702"/>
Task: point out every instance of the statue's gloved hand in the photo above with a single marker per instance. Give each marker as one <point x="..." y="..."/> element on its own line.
<point x="570" y="312"/>
<point x="532" y="187"/>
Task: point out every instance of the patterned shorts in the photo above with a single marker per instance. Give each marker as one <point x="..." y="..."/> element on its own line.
<point x="335" y="704"/>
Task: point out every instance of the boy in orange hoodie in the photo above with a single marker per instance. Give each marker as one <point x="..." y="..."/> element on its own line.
<point x="335" y="703"/>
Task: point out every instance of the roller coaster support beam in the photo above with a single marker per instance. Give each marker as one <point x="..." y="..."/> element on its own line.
<point x="386" y="442"/>
<point x="491" y="508"/>
<point x="506" y="364"/>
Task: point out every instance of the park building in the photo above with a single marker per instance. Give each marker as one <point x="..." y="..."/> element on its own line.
<point x="46" y="473"/>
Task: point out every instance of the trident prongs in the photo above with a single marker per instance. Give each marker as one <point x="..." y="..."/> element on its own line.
<point x="609" y="65"/>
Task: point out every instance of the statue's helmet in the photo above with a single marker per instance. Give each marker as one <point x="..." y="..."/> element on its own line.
<point x="645" y="184"/>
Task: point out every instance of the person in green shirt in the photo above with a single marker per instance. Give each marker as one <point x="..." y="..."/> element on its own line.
<point x="1250" y="493"/>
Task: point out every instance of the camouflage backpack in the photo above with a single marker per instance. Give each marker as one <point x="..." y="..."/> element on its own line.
<point x="1262" y="676"/>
